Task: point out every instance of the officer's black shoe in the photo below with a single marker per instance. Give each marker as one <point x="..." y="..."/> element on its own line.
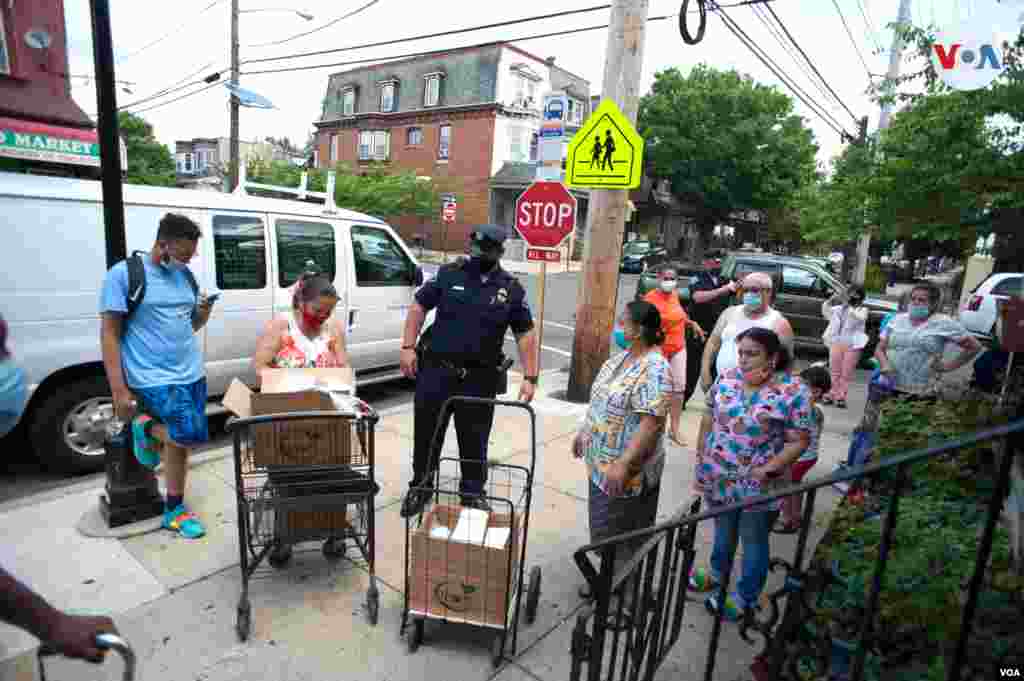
<point x="414" y="502"/>
<point x="478" y="503"/>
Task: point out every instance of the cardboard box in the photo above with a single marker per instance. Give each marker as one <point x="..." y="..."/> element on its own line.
<point x="462" y="581"/>
<point x="296" y="443"/>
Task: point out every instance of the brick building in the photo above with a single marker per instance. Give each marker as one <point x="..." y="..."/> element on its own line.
<point x="467" y="118"/>
<point x="42" y="129"/>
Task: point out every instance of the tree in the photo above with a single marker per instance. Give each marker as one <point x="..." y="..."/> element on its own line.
<point x="149" y="162"/>
<point x="378" y="193"/>
<point x="725" y="143"/>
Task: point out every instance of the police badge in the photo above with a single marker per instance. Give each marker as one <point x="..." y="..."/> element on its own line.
<point x="503" y="295"/>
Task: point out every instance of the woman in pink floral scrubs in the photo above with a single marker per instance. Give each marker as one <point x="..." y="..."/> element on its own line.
<point x="759" y="422"/>
<point x="306" y="338"/>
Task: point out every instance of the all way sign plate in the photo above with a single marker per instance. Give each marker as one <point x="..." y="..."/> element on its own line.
<point x="606" y="153"/>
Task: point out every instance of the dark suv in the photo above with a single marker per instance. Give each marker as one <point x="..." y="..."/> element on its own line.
<point x="802" y="287"/>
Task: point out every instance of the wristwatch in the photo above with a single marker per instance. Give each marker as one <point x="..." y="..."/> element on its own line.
<point x="530" y="379"/>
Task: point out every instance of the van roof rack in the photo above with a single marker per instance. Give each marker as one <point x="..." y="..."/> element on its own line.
<point x="301" y="192"/>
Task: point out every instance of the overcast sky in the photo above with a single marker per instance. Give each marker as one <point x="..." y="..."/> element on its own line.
<point x="159" y="44"/>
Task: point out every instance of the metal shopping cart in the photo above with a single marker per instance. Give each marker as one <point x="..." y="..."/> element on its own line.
<point x="467" y="565"/>
<point x="305" y="477"/>
<point x="104" y="642"/>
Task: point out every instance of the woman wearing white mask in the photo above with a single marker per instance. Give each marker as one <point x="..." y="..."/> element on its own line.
<point x="674" y="324"/>
<point x="910" y="351"/>
<point x="845" y="337"/>
<point x="757" y="294"/>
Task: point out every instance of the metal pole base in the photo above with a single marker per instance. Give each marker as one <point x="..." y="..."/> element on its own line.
<point x="131" y="493"/>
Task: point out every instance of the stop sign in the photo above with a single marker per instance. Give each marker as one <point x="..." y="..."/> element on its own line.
<point x="545" y="214"/>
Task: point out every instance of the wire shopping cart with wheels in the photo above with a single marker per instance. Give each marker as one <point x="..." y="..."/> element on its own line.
<point x="103" y="642"/>
<point x="465" y="564"/>
<point x="304" y="477"/>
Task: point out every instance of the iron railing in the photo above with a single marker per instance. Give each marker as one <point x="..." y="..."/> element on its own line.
<point x="631" y="642"/>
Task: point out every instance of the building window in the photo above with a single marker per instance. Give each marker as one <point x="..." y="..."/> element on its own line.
<point x="5" y="56"/>
<point x="348" y="101"/>
<point x="518" y="144"/>
<point x="188" y="163"/>
<point x="526" y="91"/>
<point x="374" y="145"/>
<point x="575" y="113"/>
<point x="414" y="137"/>
<point x="444" y="145"/>
<point x="387" y="97"/>
<point x="332" y="143"/>
<point x="432" y="90"/>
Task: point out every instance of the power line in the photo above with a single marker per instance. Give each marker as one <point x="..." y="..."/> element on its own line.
<point x="811" y="63"/>
<point x="427" y="53"/>
<point x="872" y="34"/>
<point x="171" y="32"/>
<point x="441" y="34"/>
<point x="788" y="49"/>
<point x="176" y="99"/>
<point x="316" y="30"/>
<point x="853" y="42"/>
<point x="815" y="108"/>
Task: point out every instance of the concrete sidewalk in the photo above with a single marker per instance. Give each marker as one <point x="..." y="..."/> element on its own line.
<point x="175" y="600"/>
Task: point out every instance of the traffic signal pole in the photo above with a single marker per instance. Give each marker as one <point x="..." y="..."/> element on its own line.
<point x="606" y="215"/>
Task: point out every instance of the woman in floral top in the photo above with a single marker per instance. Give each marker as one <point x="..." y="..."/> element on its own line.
<point x="621" y="436"/>
<point x="759" y="422"/>
<point x="305" y="338"/>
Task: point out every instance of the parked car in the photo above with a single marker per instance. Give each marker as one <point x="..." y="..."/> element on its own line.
<point x="252" y="251"/>
<point x="639" y="256"/>
<point x="802" y="288"/>
<point x="980" y="311"/>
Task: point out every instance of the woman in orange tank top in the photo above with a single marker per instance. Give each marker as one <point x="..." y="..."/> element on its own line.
<point x="674" y="322"/>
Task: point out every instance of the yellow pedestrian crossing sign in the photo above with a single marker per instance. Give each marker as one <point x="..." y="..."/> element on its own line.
<point x="606" y="153"/>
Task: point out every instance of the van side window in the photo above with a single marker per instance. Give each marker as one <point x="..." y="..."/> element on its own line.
<point x="299" y="242"/>
<point x="800" y="282"/>
<point x="239" y="244"/>
<point x="379" y="260"/>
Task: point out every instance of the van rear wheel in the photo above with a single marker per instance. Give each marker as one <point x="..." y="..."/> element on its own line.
<point x="69" y="427"/>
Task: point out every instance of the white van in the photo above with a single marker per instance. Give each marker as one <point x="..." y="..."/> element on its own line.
<point x="252" y="250"/>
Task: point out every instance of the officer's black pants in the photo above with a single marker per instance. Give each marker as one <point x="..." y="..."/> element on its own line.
<point x="694" y="352"/>
<point x="473" y="423"/>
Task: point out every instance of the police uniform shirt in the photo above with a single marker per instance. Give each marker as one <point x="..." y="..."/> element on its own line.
<point x="473" y="314"/>
<point x="706" y="314"/>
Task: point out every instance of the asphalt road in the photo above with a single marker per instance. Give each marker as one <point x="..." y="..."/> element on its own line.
<point x="21" y="476"/>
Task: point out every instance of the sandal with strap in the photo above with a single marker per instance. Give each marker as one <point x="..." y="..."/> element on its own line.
<point x="702" y="580"/>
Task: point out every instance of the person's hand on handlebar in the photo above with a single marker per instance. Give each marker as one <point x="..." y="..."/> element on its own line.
<point x="75" y="635"/>
<point x="407" y="361"/>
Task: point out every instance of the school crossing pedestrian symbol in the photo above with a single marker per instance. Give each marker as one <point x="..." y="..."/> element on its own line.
<point x="606" y="153"/>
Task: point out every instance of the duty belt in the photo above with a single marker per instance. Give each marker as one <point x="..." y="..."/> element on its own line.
<point x="462" y="370"/>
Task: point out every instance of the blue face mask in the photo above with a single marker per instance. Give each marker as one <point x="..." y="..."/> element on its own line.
<point x="620" y="339"/>
<point x="918" y="311"/>
<point x="751" y="300"/>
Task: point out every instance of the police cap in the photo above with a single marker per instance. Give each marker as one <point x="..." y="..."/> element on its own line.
<point x="495" y="234"/>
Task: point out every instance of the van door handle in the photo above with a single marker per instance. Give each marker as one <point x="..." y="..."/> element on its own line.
<point x="352" y="318"/>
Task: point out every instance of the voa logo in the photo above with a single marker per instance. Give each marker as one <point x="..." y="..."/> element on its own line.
<point x="1010" y="673"/>
<point x="968" y="57"/>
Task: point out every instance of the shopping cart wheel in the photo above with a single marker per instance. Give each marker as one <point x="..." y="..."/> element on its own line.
<point x="533" y="595"/>
<point x="334" y="548"/>
<point x="372" y="605"/>
<point x="415" y="635"/>
<point x="243" y="625"/>
<point x="498" y="650"/>
<point x="280" y="556"/>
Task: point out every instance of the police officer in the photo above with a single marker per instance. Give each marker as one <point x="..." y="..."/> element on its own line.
<point x="476" y="303"/>
<point x="709" y="298"/>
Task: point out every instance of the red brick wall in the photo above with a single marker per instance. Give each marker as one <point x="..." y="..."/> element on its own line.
<point x="466" y="174"/>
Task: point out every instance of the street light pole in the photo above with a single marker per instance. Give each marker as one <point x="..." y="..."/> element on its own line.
<point x="233" y="145"/>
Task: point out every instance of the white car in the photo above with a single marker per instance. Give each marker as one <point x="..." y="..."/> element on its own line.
<point x="978" y="313"/>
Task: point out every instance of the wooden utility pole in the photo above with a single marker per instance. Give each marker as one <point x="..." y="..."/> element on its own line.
<point x="233" y="142"/>
<point x="606" y="215"/>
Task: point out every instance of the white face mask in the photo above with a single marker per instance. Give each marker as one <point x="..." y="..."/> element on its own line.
<point x="668" y="285"/>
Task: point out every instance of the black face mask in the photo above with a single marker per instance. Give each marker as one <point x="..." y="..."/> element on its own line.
<point x="856" y="302"/>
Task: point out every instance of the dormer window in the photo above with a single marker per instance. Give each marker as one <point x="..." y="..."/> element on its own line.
<point x="388" y="95"/>
<point x="432" y="89"/>
<point x="348" y="101"/>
